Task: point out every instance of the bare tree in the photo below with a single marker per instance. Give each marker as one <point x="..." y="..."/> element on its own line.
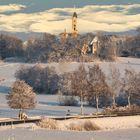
<point x="65" y="84"/>
<point x="97" y="84"/>
<point x="131" y="84"/>
<point x="114" y="83"/>
<point x="137" y="86"/>
<point x="79" y="84"/>
<point x="21" y="96"/>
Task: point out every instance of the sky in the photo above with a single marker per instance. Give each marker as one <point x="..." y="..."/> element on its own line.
<point x="53" y="16"/>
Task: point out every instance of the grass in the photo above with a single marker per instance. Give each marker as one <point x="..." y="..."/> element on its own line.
<point x="74" y="126"/>
<point x="120" y="110"/>
<point x="48" y="123"/>
<point x="85" y="126"/>
<point x="89" y="126"/>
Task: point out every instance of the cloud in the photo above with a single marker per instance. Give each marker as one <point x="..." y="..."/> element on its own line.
<point x="11" y="7"/>
<point x="110" y="18"/>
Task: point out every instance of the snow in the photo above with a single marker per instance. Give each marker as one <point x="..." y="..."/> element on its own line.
<point x="48" y="105"/>
<point x="28" y="134"/>
<point x="118" y="128"/>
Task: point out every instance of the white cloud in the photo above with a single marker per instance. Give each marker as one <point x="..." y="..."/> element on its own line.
<point x="11" y="7"/>
<point x="111" y="18"/>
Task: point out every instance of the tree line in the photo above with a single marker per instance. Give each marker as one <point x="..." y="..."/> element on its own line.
<point x="90" y="84"/>
<point x="51" y="48"/>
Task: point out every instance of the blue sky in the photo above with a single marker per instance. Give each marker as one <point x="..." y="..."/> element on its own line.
<point x="39" y="5"/>
<point x="55" y="15"/>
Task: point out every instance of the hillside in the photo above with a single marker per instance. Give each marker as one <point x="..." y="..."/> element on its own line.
<point x="48" y="104"/>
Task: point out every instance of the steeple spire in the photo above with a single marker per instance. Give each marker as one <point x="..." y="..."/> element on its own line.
<point x="74" y="23"/>
<point x="74" y="7"/>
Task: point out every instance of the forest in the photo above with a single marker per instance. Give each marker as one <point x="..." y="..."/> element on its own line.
<point x="51" y="48"/>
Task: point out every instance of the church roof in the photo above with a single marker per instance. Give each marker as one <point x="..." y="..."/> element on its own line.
<point x="95" y="39"/>
<point x="75" y="14"/>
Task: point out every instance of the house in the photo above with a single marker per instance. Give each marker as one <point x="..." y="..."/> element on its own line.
<point x="94" y="44"/>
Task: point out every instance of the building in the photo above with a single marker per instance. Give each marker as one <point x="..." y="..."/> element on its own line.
<point x="92" y="47"/>
<point x="63" y="35"/>
<point x="94" y="44"/>
<point x="74" y="32"/>
<point x="74" y="25"/>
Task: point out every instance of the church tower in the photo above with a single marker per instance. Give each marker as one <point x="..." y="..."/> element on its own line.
<point x="63" y="35"/>
<point x="74" y="25"/>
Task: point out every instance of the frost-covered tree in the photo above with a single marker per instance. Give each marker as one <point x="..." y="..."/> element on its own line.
<point x="42" y="79"/>
<point x="10" y="46"/>
<point x="21" y="96"/>
<point x="131" y="85"/>
<point x="114" y="83"/>
<point x="137" y="86"/>
<point x="97" y="84"/>
<point x="79" y="84"/>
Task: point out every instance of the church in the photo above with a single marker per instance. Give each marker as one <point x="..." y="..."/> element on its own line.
<point x="86" y="48"/>
<point x="74" y="32"/>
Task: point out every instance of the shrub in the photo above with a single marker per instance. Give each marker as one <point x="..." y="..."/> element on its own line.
<point x="132" y="109"/>
<point x="103" y="102"/>
<point x="75" y="127"/>
<point x="48" y="123"/>
<point x="67" y="100"/>
<point x="85" y="126"/>
<point x="121" y="100"/>
<point x="89" y="126"/>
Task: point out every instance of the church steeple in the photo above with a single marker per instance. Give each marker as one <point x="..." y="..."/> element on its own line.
<point x="75" y="15"/>
<point x="74" y="24"/>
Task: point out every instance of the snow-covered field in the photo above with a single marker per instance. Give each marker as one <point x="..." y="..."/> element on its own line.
<point x="29" y="134"/>
<point x="120" y="128"/>
<point x="109" y="123"/>
<point x="48" y="105"/>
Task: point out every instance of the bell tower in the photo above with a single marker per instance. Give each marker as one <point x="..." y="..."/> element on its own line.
<point x="74" y="25"/>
